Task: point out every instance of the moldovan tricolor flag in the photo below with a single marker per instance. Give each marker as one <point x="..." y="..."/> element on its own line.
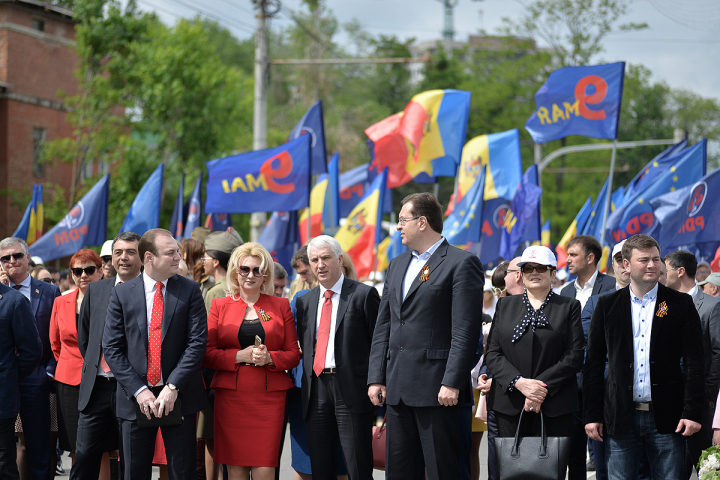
<point x="31" y="226"/>
<point x="361" y="233"/>
<point x="317" y="203"/>
<point x="576" y="226"/>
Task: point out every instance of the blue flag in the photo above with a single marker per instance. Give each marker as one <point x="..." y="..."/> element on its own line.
<point x="276" y="179"/>
<point x="655" y="167"/>
<point x="84" y="225"/>
<point x="593" y="226"/>
<point x="396" y="246"/>
<point x="578" y="101"/>
<point x="218" y="222"/>
<point x="281" y="237"/>
<point x="617" y="199"/>
<point x="177" y="221"/>
<point x="689" y="217"/>
<point x="313" y="124"/>
<point x="523" y="207"/>
<point x="493" y="218"/>
<point x="532" y="229"/>
<point x="636" y="216"/>
<point x="353" y="185"/>
<point x="463" y="225"/>
<point x="193" y="208"/>
<point x="331" y="209"/>
<point x="144" y="213"/>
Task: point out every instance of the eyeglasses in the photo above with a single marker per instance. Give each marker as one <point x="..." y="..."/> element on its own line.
<point x="402" y="221"/>
<point x="245" y="271"/>
<point x="538" y="268"/>
<point x="498" y="291"/>
<point x="511" y="270"/>
<point x="106" y="258"/>
<point x="16" y="256"/>
<point x="48" y="280"/>
<point x="88" y="271"/>
<point x="205" y="259"/>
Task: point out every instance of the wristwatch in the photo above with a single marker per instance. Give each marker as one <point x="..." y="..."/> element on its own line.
<point x="172" y="387"/>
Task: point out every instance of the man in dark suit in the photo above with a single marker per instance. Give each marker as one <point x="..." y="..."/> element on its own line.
<point x="646" y="404"/>
<point x="98" y="387"/>
<point x="154" y="340"/>
<point x="681" y="268"/>
<point x="34" y="388"/>
<point x="20" y="351"/>
<point x="583" y="255"/>
<point x="336" y="320"/>
<point x="425" y="339"/>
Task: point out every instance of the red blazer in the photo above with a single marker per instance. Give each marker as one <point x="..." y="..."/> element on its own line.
<point x="226" y="316"/>
<point x="63" y="340"/>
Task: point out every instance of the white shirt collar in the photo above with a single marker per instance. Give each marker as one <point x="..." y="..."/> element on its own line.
<point x="425" y="255"/>
<point x="24" y="283"/>
<point x="337" y="288"/>
<point x="117" y="279"/>
<point x="150" y="283"/>
<point x="649" y="296"/>
<point x="693" y="291"/>
<point x="590" y="282"/>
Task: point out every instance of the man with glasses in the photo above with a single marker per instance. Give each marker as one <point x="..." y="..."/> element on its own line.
<point x="106" y="254"/>
<point x="513" y="279"/>
<point x="35" y="388"/>
<point x="424" y="345"/>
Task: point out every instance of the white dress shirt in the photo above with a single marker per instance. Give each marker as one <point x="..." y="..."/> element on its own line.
<point x="693" y="291"/>
<point x="417" y="262"/>
<point x="584" y="293"/>
<point x="643" y="311"/>
<point x="25" y="287"/>
<point x="149" y="284"/>
<point x="335" y="299"/>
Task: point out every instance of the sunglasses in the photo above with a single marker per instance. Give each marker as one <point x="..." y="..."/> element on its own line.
<point x="48" y="280"/>
<point x="106" y="258"/>
<point x="245" y="271"/>
<point x="538" y="268"/>
<point x="88" y="271"/>
<point x="498" y="291"/>
<point x="16" y="256"/>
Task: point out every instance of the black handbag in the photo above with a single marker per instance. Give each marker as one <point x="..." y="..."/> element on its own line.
<point x="174" y="418"/>
<point x="532" y="458"/>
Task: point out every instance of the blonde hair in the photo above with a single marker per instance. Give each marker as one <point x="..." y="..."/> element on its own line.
<point x="348" y="268"/>
<point x="250" y="249"/>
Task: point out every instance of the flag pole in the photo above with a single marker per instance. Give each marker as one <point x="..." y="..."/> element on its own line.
<point x="608" y="194"/>
<point x="436" y="188"/>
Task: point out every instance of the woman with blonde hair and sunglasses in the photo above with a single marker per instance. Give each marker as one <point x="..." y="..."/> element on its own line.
<point x="252" y="340"/>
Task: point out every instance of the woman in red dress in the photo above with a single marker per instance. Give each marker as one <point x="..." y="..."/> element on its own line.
<point x="250" y="382"/>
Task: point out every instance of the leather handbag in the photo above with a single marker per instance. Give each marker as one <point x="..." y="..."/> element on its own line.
<point x="378" y="446"/>
<point x="532" y="458"/>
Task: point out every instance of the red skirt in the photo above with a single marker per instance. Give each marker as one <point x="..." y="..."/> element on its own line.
<point x="249" y="421"/>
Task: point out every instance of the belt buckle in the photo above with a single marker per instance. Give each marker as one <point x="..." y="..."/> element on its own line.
<point x="643" y="407"/>
<point x="329" y="370"/>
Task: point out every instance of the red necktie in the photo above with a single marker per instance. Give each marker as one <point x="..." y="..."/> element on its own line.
<point x="153" y="370"/>
<point x="103" y="364"/>
<point x="323" y="334"/>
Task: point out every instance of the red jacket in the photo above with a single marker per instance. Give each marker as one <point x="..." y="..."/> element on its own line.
<point x="226" y="316"/>
<point x="63" y="340"/>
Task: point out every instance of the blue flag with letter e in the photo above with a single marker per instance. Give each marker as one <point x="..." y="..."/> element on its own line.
<point x="578" y="101"/>
<point x="84" y="225"/>
<point x="272" y="180"/>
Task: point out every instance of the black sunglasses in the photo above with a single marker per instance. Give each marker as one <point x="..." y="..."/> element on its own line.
<point x="48" y="280"/>
<point x="106" y="258"/>
<point x="88" y="271"/>
<point x="537" y="268"/>
<point x="245" y="271"/>
<point x="16" y="256"/>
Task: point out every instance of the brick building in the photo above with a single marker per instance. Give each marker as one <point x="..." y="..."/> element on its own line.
<point x="36" y="62"/>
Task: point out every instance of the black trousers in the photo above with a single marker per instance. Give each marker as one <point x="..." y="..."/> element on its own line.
<point x="8" y="450"/>
<point x="578" y="445"/>
<point x="492" y="432"/>
<point x="180" y="449"/>
<point x="329" y="419"/>
<point x="35" y="416"/>
<point x="418" y="436"/>
<point x="97" y="430"/>
<point x="696" y="443"/>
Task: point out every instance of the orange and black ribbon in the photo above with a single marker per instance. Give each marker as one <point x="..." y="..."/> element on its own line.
<point x="425" y="274"/>
<point x="264" y="316"/>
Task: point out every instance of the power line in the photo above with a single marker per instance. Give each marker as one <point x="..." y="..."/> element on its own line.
<point x="214" y="12"/>
<point x="238" y="7"/>
<point x="224" y="21"/>
<point x="169" y="12"/>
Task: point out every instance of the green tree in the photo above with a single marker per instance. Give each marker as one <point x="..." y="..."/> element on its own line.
<point x="392" y="81"/>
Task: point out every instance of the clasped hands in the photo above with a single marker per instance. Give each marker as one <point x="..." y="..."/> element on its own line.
<point x="163" y="404"/>
<point x="257" y="355"/>
<point x="535" y="392"/>
<point x="447" y="396"/>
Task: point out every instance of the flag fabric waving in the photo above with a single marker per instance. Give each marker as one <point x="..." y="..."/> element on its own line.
<point x="362" y="231"/>
<point x="276" y="179"/>
<point x="313" y="124"/>
<point x="578" y="101"/>
<point x="218" y="222"/>
<point x="84" y="225"/>
<point x="494" y="213"/>
<point x="281" y="237"/>
<point x="532" y="231"/>
<point x="331" y="205"/>
<point x="353" y="185"/>
<point x="31" y="225"/>
<point x="193" y="208"/>
<point x="522" y="209"/>
<point x="465" y="222"/>
<point x="576" y="226"/>
<point x="144" y="213"/>
<point x="655" y="167"/>
<point x="545" y="235"/>
<point x="593" y="226"/>
<point x="315" y="217"/>
<point x="177" y="221"/>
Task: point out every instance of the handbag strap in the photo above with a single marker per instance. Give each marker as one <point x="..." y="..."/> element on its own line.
<point x="379" y="432"/>
<point x="543" y="436"/>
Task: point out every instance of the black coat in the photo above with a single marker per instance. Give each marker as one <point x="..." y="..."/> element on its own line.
<point x="552" y="354"/>
<point x="356" y="318"/>
<point x="429" y="339"/>
<point x="675" y="336"/>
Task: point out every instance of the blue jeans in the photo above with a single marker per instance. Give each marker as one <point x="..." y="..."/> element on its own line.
<point x="665" y="451"/>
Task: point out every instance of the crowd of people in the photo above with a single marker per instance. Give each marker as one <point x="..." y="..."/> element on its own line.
<point x="197" y="356"/>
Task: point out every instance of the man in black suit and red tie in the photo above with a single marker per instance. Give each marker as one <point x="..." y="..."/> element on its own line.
<point x="154" y="340"/>
<point x="646" y="405"/>
<point x="336" y="320"/>
<point x="424" y="344"/>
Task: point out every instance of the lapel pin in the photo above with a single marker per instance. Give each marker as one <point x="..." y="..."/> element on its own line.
<point x="662" y="310"/>
<point x="37" y="290"/>
<point x="425" y="273"/>
<point x="264" y="316"/>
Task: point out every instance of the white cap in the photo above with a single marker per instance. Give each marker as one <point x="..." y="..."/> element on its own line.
<point x="488" y="285"/>
<point x="106" y="249"/>
<point x="37" y="260"/>
<point x="538" y="254"/>
<point x="562" y="275"/>
<point x="617" y="249"/>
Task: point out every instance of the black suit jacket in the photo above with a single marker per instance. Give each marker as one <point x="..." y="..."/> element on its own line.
<point x="552" y="354"/>
<point x="356" y="318"/>
<point x="183" y="342"/>
<point x="708" y="308"/>
<point x="42" y="298"/>
<point x="603" y="283"/>
<point x="430" y="338"/>
<point x="91" y="325"/>
<point x="675" y="336"/>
